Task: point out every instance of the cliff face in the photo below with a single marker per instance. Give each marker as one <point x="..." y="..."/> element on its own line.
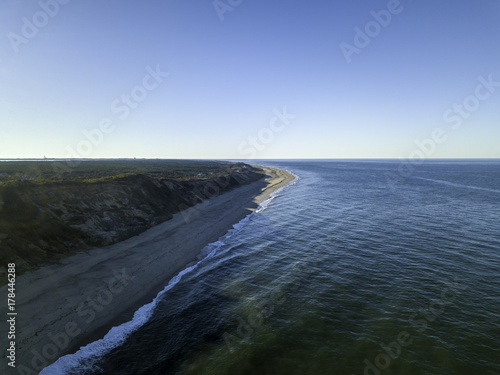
<point x="41" y="223"/>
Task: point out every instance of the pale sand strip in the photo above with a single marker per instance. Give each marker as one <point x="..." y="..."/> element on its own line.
<point x="48" y="299"/>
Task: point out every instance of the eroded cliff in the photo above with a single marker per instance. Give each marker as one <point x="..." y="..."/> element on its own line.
<point x="42" y="223"/>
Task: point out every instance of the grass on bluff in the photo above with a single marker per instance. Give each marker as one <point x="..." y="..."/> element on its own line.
<point x="91" y="171"/>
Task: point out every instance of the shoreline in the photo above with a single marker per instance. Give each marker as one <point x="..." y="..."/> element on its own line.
<point x="274" y="183"/>
<point x="69" y="305"/>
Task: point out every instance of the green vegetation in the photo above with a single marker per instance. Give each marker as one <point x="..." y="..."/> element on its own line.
<point x="92" y="171"/>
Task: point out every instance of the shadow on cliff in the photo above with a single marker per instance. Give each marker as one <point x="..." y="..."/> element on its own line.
<point x="43" y="223"/>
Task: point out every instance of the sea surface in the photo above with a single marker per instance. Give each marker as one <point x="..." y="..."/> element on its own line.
<point x="357" y="267"/>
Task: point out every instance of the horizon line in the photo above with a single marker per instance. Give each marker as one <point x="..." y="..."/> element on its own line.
<point x="247" y="159"/>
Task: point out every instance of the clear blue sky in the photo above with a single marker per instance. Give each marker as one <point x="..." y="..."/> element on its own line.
<point x="228" y="78"/>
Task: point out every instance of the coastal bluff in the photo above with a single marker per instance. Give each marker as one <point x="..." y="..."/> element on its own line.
<point x="63" y="299"/>
<point x="41" y="223"/>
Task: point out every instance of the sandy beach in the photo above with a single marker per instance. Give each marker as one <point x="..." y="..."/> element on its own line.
<point x="64" y="306"/>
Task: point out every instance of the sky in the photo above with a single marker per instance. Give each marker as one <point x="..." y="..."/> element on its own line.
<point x="237" y="79"/>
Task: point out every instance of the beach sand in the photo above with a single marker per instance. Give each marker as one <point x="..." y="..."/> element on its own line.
<point x="64" y="306"/>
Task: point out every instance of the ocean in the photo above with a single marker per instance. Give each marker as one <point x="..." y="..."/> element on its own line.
<point x="357" y="267"/>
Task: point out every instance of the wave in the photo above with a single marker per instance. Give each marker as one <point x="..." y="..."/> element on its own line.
<point x="276" y="193"/>
<point x="86" y="357"/>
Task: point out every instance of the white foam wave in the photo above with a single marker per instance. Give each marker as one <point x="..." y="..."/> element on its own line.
<point x="86" y="357"/>
<point x="265" y="203"/>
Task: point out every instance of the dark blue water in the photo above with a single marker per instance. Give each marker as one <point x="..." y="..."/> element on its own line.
<point x="348" y="271"/>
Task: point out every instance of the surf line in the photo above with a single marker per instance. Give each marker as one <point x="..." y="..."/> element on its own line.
<point x="88" y="355"/>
